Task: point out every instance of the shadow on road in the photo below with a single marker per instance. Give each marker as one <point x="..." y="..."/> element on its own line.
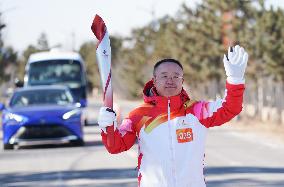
<point x="245" y="182"/>
<point x="110" y="177"/>
<point x="127" y="177"/>
<point x="244" y="178"/>
<point x="97" y="143"/>
<point x="94" y="143"/>
<point x="64" y="146"/>
<point x="49" y="146"/>
<point x="233" y="170"/>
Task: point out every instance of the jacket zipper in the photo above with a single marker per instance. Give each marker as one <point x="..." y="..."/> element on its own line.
<point x="173" y="169"/>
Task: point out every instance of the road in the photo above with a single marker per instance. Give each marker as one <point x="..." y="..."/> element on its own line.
<point x="240" y="158"/>
<point x="233" y="158"/>
<point x="61" y="166"/>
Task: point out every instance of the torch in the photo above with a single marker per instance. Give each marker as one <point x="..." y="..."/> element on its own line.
<point x="103" y="53"/>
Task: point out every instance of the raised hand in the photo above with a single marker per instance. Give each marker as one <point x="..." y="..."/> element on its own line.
<point x="235" y="63"/>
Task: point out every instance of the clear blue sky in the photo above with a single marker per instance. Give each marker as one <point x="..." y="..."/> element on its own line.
<point x="65" y="21"/>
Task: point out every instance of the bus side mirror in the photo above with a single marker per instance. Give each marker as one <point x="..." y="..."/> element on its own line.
<point x="18" y="83"/>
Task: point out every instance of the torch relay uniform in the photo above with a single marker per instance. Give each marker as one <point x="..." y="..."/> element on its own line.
<point x="171" y="133"/>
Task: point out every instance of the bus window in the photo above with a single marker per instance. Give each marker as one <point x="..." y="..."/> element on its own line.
<point x="55" y="67"/>
<point x="55" y="72"/>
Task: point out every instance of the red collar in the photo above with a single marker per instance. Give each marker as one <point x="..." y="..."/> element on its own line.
<point x="151" y="96"/>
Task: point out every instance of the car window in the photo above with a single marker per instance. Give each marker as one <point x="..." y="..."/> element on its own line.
<point x="41" y="97"/>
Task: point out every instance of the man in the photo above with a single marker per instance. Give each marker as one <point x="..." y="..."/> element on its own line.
<point x="171" y="128"/>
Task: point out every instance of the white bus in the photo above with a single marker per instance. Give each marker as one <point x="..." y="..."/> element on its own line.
<point x="60" y="68"/>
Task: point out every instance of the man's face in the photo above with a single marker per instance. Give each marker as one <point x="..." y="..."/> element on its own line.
<point x="168" y="79"/>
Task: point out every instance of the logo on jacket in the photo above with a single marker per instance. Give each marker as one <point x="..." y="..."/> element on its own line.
<point x="184" y="135"/>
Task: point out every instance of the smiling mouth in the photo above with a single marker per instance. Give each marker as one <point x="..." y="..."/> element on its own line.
<point x="170" y="87"/>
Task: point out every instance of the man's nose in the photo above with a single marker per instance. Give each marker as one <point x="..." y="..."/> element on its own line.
<point x="170" y="80"/>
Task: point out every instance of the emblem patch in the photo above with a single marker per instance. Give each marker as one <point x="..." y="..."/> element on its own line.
<point x="184" y="135"/>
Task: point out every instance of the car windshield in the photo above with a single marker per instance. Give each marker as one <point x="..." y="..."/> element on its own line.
<point x="55" y="72"/>
<point x="41" y="97"/>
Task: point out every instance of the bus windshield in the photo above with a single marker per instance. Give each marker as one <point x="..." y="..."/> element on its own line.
<point x="68" y="72"/>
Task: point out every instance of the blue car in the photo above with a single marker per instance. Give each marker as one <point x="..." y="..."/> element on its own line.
<point x="41" y="115"/>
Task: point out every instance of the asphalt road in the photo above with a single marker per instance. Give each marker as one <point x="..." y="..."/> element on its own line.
<point x="233" y="158"/>
<point x="62" y="166"/>
<point x="240" y="158"/>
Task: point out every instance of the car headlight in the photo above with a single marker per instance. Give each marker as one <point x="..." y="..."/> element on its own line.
<point x="14" y="119"/>
<point x="71" y="113"/>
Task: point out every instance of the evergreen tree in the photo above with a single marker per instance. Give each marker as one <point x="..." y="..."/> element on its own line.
<point x="88" y="53"/>
<point x="42" y="45"/>
<point x="8" y="57"/>
<point x="23" y="61"/>
<point x="269" y="43"/>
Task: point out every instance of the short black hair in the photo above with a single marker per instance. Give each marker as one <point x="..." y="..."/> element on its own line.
<point x="171" y="60"/>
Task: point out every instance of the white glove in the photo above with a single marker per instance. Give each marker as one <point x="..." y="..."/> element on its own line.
<point x="107" y="117"/>
<point x="235" y="64"/>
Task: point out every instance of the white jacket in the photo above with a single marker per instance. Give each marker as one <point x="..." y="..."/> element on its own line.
<point x="171" y="135"/>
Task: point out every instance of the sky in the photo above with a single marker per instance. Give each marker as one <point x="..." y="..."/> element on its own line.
<point x="67" y="22"/>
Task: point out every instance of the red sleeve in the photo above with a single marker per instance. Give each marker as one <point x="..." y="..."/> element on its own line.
<point x="124" y="137"/>
<point x="216" y="113"/>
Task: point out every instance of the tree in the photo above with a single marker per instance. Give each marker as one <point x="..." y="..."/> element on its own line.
<point x="88" y="53"/>
<point x="8" y="58"/>
<point x="23" y="61"/>
<point x="196" y="37"/>
<point x="2" y="25"/>
<point x="42" y="45"/>
<point x="269" y="42"/>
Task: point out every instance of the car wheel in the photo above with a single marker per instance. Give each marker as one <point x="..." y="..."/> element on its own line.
<point x="8" y="146"/>
<point x="77" y="143"/>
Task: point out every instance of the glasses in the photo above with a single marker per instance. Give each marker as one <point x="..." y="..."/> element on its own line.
<point x="167" y="77"/>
